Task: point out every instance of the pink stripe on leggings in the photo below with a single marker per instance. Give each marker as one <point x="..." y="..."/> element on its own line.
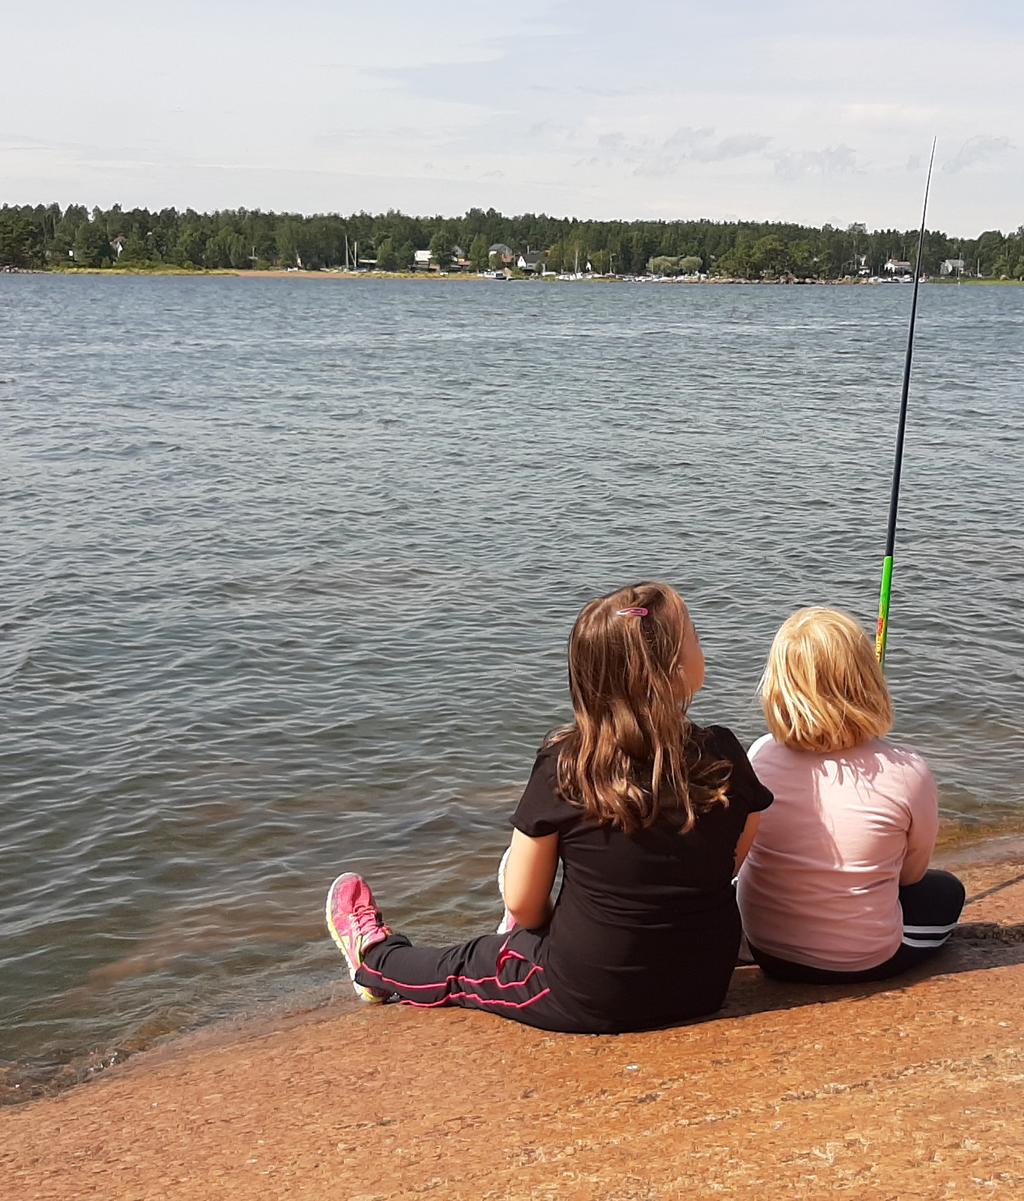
<point x="460" y="979"/>
<point x="504" y="955"/>
<point x="473" y="997"/>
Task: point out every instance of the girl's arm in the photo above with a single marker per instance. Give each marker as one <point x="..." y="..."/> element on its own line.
<point x="923" y="802"/>
<point x="529" y="874"/>
<point x="746" y="838"/>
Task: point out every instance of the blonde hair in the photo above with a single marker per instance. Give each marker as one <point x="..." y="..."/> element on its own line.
<point x="823" y="689"/>
<point x="630" y="753"/>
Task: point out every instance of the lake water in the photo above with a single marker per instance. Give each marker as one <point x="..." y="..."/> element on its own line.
<point x="288" y="568"/>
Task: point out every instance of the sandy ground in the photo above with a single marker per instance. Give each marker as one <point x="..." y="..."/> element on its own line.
<point x="911" y="1089"/>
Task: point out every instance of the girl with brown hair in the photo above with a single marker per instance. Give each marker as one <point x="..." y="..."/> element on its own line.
<point x="649" y="814"/>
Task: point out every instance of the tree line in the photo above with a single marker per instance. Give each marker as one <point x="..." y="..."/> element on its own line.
<point x="47" y="236"/>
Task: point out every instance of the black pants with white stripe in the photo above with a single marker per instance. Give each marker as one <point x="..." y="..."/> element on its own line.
<point x="931" y="910"/>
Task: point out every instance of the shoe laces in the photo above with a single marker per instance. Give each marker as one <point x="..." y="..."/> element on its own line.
<point x="367" y="920"/>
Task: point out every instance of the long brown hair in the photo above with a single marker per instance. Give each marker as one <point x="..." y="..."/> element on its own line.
<point x="630" y="753"/>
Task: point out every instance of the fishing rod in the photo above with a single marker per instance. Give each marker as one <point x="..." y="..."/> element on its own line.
<point x="894" y="497"/>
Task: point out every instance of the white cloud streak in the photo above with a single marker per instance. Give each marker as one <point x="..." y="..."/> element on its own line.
<point x="979" y="149"/>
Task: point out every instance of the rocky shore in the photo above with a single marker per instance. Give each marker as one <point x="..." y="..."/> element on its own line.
<point x="909" y="1089"/>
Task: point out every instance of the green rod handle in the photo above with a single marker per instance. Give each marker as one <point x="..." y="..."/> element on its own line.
<point x="882" y="632"/>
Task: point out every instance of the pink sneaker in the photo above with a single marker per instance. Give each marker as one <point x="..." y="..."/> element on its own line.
<point x="356" y="925"/>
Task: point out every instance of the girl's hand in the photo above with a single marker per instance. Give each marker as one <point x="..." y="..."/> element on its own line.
<point x="529" y="875"/>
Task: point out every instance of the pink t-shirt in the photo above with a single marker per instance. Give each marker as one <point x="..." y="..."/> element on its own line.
<point x="820" y="884"/>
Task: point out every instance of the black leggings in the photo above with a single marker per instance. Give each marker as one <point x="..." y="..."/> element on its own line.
<point x="497" y="973"/>
<point x="931" y="909"/>
<point x="505" y="974"/>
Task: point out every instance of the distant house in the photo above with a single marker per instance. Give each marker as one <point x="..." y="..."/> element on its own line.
<point x="502" y="252"/>
<point x="952" y="267"/>
<point x="423" y="260"/>
<point x="117" y="245"/>
<point x="532" y="260"/>
<point x="898" y="267"/>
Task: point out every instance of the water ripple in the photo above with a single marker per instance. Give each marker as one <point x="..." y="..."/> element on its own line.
<point x="289" y="571"/>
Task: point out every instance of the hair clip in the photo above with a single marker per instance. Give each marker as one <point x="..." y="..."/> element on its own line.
<point x="636" y="611"/>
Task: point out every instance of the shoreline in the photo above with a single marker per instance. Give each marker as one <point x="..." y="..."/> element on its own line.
<point x="904" y="1088"/>
<point x="961" y="844"/>
<point x="469" y="276"/>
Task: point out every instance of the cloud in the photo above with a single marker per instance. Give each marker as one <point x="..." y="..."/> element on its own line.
<point x="400" y="135"/>
<point x="612" y="93"/>
<point x="612" y="141"/>
<point x="687" y="144"/>
<point x="832" y="160"/>
<point x="976" y="150"/>
<point x="15" y="142"/>
<point x="686" y="138"/>
<point x="890" y="114"/>
<point x="737" y="146"/>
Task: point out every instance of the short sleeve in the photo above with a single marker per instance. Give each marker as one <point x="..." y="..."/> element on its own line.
<point x="744" y="786"/>
<point x="541" y="810"/>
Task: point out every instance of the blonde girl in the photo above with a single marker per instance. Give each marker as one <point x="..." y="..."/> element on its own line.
<point x="836" y="888"/>
<point x="648" y="814"/>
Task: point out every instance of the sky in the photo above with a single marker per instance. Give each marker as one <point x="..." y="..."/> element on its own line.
<point x="754" y="109"/>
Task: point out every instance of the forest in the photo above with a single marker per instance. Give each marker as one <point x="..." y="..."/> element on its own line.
<point x="51" y="237"/>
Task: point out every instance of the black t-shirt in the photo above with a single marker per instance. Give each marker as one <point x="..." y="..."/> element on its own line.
<point x="645" y="929"/>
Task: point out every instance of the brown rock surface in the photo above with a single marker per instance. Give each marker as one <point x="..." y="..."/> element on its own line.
<point x="910" y="1089"/>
